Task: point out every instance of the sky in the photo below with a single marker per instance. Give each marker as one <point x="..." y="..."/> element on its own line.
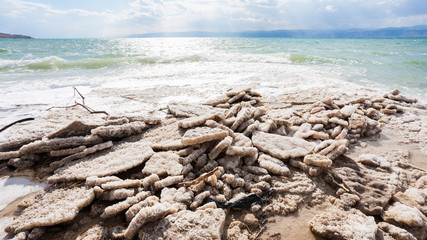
<point x="112" y="18"/>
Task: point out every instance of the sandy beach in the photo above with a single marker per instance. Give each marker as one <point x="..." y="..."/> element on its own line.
<point x="148" y="151"/>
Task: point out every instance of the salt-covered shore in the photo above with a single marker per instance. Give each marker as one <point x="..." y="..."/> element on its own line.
<point x="342" y="164"/>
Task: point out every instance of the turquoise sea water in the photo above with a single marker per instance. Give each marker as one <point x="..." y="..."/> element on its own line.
<point x="43" y="64"/>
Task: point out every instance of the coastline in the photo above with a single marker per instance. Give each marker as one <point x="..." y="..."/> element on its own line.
<point x="403" y="130"/>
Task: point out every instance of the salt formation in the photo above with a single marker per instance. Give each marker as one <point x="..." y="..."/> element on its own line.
<point x="162" y="164"/>
<point x="200" y="224"/>
<point x="51" y="208"/>
<point x="121" y="158"/>
<point x="233" y="152"/>
<point x="280" y="146"/>
<point x="203" y="134"/>
<point x="339" y="224"/>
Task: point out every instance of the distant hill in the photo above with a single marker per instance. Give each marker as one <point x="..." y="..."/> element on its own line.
<point x="393" y="32"/>
<point x="5" y="35"/>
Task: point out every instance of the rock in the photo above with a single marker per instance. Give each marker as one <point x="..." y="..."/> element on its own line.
<point x="200" y="224"/>
<point x="339" y="224"/>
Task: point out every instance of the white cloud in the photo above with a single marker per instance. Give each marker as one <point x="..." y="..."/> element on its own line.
<point x="331" y="8"/>
<point x="139" y="16"/>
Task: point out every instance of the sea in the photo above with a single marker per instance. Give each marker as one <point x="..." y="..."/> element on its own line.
<point x="43" y="72"/>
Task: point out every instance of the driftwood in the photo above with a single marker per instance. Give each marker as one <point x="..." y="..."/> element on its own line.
<point x="19" y="121"/>
<point x="82" y="104"/>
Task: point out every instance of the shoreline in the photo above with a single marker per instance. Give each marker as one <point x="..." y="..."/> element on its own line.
<point x="411" y="136"/>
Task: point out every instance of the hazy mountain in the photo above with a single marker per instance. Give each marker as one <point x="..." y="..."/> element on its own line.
<point x="394" y="32"/>
<point x="5" y="35"/>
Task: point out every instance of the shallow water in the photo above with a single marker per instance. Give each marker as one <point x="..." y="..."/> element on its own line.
<point x="38" y="73"/>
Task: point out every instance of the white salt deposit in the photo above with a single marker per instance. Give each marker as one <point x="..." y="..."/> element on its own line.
<point x="12" y="188"/>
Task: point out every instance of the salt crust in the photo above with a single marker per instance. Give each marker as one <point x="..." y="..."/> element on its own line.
<point x="171" y="180"/>
<point x="122" y="206"/>
<point x="404" y="215"/>
<point x="51" y="208"/>
<point x="119" y="131"/>
<point x="186" y="225"/>
<point x="117" y="194"/>
<point x="339" y="224"/>
<point x="74" y="128"/>
<point x="163" y="164"/>
<point x="188" y="110"/>
<point x="318" y="160"/>
<point x="121" y="158"/>
<point x="128" y="183"/>
<point x="134" y="209"/>
<point x="203" y="134"/>
<point x="85" y="152"/>
<point x="148" y="214"/>
<point x="47" y="145"/>
<point x="395" y="232"/>
<point x="98" y="181"/>
<point x="225" y="143"/>
<point x="273" y="165"/>
<point x="281" y="146"/>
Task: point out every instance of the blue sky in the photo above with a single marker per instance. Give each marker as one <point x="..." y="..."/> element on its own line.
<point x="108" y="18"/>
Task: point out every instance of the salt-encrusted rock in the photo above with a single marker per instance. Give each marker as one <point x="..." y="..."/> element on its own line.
<point x="119" y="131"/>
<point x="348" y="110"/>
<point x="203" y="134"/>
<point x="97" y="181"/>
<point x="163" y="164"/>
<point x="242" y="116"/>
<point x="395" y="232"/>
<point x="68" y="151"/>
<point x="339" y="224"/>
<point x="51" y="208"/>
<point x="36" y="233"/>
<point x="85" y="152"/>
<point x="121" y="158"/>
<point x="225" y="143"/>
<point x="374" y="188"/>
<point x="256" y="170"/>
<point x="230" y="162"/>
<point x="198" y="199"/>
<point x="213" y="124"/>
<point x="97" y="232"/>
<point x="122" y="206"/>
<point x="374" y="161"/>
<point x="169" y="181"/>
<point x="9" y="155"/>
<point x="128" y="183"/>
<point x="281" y="146"/>
<point x="196" y="121"/>
<point x="150" y="180"/>
<point x="318" y="160"/>
<point x="187" y="225"/>
<point x="173" y="195"/>
<point x="74" y="128"/>
<point x="148" y="214"/>
<point x="168" y="145"/>
<point x="338" y="121"/>
<point x="273" y="165"/>
<point x="405" y="215"/>
<point x="134" y="209"/>
<point x="47" y="145"/>
<point x="188" y="110"/>
<point x="117" y="194"/>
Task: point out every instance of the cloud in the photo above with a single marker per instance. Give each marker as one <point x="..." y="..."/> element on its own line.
<point x="54" y="18"/>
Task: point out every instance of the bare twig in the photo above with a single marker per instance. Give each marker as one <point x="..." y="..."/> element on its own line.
<point x="19" y="121"/>
<point x="82" y="104"/>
